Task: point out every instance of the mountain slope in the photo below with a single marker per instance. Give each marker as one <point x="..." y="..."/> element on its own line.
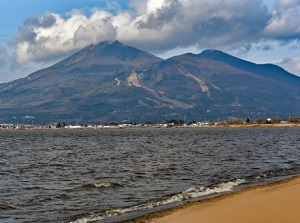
<point x="266" y="70"/>
<point x="76" y="76"/>
<point x="114" y="82"/>
<point x="212" y="88"/>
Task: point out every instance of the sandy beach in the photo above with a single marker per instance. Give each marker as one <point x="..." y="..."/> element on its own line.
<point x="273" y="203"/>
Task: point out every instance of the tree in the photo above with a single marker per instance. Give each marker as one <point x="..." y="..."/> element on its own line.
<point x="248" y="120"/>
<point x="261" y="121"/>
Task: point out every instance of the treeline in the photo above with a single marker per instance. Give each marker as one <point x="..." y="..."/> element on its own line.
<point x="275" y="120"/>
<point x="181" y="122"/>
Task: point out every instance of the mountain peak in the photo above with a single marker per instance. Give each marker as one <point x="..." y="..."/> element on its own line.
<point x="109" y="53"/>
<point x="116" y="50"/>
<point x="105" y="44"/>
<point x="214" y="54"/>
<point x="110" y="49"/>
<point x="266" y="70"/>
<point x="220" y="56"/>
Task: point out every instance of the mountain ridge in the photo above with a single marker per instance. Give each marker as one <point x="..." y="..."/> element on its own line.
<point x="245" y="65"/>
<point x="110" y="81"/>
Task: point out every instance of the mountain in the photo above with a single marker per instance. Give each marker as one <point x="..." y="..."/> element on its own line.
<point x="76" y="88"/>
<point x="112" y="82"/>
<point x="267" y="70"/>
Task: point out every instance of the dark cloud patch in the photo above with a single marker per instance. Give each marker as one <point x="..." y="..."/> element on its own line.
<point x="254" y="20"/>
<point x="27" y="32"/>
<point x="2" y="61"/>
<point x="285" y="41"/>
<point x="31" y="22"/>
<point x="244" y="50"/>
<point x="3" y="50"/>
<point x="161" y="16"/>
<point x="48" y="20"/>
<point x="286" y="60"/>
<point x="265" y="47"/>
<point x="290" y="64"/>
<point x="4" y="57"/>
<point x="207" y="24"/>
<point x="284" y="25"/>
<point x="295" y="47"/>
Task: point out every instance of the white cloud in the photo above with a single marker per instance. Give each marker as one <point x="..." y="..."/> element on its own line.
<point x="10" y="69"/>
<point x="288" y="3"/>
<point x="292" y="65"/>
<point x="153" y="5"/>
<point x="285" y="23"/>
<point x="152" y="25"/>
<point x="163" y="27"/>
<point x="40" y="42"/>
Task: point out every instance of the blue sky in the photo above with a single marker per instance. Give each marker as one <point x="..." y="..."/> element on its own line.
<point x="35" y="34"/>
<point x="15" y="12"/>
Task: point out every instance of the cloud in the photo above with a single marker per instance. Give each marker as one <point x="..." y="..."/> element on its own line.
<point x="284" y="24"/>
<point x="247" y="48"/>
<point x="265" y="47"/>
<point x="163" y="27"/>
<point x="152" y="25"/>
<point x="4" y="58"/>
<point x="160" y="15"/>
<point x="52" y="36"/>
<point x="290" y="64"/>
<point x="287" y="3"/>
<point x="10" y="69"/>
<point x="207" y="24"/>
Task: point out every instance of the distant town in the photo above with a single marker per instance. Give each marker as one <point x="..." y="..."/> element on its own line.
<point x="233" y="122"/>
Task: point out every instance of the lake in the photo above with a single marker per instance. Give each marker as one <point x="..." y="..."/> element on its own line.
<point x="108" y="175"/>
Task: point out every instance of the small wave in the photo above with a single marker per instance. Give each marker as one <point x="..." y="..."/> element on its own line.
<point x="283" y="170"/>
<point x="204" y="191"/>
<point x="185" y="195"/>
<point x="5" y="206"/>
<point x="97" y="185"/>
<point x="259" y="175"/>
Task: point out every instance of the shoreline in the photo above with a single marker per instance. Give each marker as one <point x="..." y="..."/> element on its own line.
<point x="288" y="125"/>
<point x="274" y="202"/>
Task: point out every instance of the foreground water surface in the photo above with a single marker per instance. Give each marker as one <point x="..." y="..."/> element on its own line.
<point x="107" y="175"/>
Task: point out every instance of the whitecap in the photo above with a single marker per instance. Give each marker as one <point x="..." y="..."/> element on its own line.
<point x="189" y="193"/>
<point x="97" y="185"/>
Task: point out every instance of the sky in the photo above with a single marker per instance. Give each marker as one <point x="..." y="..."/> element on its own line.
<point x="38" y="33"/>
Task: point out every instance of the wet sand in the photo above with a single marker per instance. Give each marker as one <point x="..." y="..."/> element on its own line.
<point x="274" y="203"/>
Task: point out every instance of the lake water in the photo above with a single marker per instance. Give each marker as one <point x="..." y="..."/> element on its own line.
<point x="108" y="175"/>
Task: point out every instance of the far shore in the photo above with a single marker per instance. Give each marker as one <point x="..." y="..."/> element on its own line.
<point x="262" y="125"/>
<point x="214" y="125"/>
<point x="275" y="203"/>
